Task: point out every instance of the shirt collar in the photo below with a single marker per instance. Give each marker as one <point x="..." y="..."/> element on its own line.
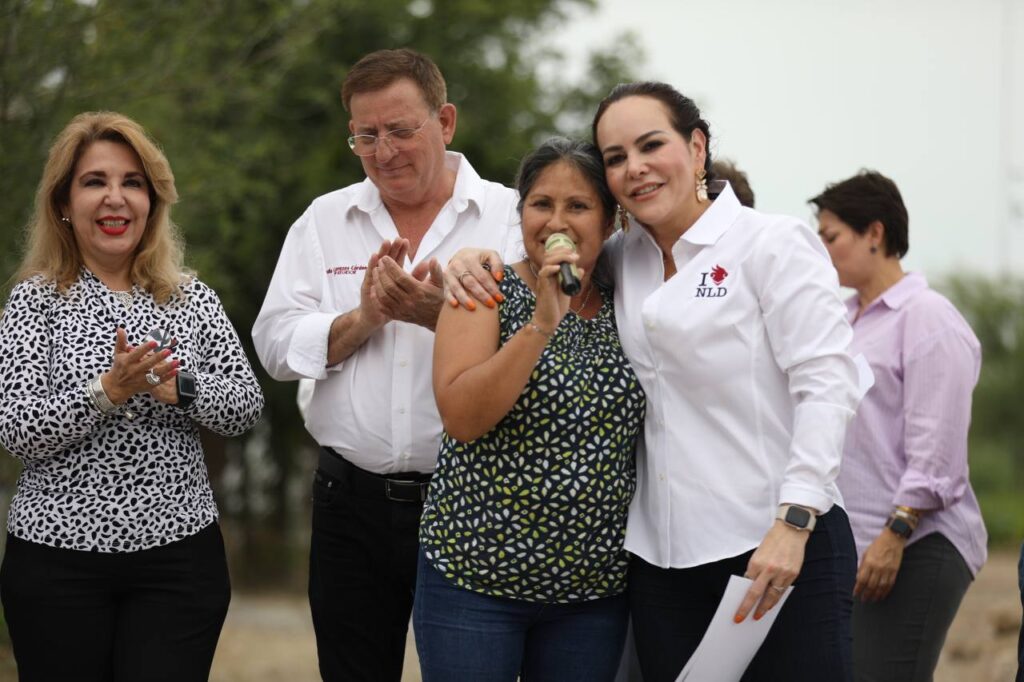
<point x="899" y="293"/>
<point x="469" y="189"/>
<point x="895" y="296"/>
<point x="716" y="219"/>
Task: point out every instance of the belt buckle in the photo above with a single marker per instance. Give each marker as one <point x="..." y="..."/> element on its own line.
<point x="421" y="489"/>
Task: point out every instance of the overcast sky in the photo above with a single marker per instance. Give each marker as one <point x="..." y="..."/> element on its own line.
<point x="801" y="93"/>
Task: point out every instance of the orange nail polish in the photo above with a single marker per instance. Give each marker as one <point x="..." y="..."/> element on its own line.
<point x="499" y="275"/>
<point x="454" y="302"/>
<point x="490" y="303"/>
<point x="500" y="298"/>
<point x="470" y="305"/>
<point x="737" y="619"/>
<point x="757" y="616"/>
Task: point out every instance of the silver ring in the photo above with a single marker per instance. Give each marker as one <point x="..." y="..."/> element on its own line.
<point x="152" y="379"/>
<point x="464" y="273"/>
<point x="778" y="589"/>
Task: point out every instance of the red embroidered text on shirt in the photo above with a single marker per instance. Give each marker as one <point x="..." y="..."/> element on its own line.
<point x="346" y="270"/>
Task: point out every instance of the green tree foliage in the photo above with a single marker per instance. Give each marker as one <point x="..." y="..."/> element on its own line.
<point x="995" y="310"/>
<point x="244" y="97"/>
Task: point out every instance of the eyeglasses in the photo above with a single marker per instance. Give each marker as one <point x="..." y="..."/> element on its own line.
<point x="398" y="140"/>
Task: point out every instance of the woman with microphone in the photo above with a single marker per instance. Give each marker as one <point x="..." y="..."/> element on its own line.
<point x="522" y="568"/>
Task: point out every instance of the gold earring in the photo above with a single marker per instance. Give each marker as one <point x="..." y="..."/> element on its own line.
<point x="702" y="185"/>
<point x="623" y="219"/>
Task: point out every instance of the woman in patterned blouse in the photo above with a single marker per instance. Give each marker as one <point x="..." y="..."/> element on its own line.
<point x="111" y="357"/>
<point x="522" y="570"/>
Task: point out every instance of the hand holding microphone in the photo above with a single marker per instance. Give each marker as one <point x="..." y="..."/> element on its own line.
<point x="568" y="275"/>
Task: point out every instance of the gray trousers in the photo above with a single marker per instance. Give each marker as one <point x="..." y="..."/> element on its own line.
<point x="899" y="639"/>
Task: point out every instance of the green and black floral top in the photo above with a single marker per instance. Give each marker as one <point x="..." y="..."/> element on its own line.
<point x="536" y="508"/>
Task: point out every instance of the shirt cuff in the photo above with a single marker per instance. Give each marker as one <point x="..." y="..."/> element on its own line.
<point x="307" y="352"/>
<point x="802" y="496"/>
<point x="920" y="491"/>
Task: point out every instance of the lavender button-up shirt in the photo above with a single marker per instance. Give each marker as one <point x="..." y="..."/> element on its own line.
<point x="908" y="443"/>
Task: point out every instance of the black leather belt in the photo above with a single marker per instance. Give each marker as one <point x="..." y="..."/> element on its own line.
<point x="401" y="487"/>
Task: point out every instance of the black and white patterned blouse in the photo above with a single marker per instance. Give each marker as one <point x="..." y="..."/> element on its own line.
<point x="113" y="483"/>
<point x="535" y="509"/>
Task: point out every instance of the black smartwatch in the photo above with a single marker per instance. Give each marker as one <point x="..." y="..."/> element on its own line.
<point x="900" y="526"/>
<point x="796" y="517"/>
<point x="186" y="390"/>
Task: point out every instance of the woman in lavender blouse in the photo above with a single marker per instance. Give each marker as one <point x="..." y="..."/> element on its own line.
<point x="919" y="532"/>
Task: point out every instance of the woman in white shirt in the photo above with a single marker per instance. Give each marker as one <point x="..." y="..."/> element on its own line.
<point x="733" y="322"/>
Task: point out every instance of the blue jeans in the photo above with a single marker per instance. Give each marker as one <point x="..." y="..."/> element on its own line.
<point x="464" y="636"/>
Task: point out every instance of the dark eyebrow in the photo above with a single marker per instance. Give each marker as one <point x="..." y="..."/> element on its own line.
<point x="639" y="140"/>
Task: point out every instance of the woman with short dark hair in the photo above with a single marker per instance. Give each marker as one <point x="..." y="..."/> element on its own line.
<point x="919" y="532"/>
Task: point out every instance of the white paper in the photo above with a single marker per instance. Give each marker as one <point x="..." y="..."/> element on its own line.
<point x="865" y="377"/>
<point x="727" y="647"/>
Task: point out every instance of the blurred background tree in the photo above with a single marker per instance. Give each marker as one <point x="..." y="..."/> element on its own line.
<point x="994" y="307"/>
<point x="244" y="96"/>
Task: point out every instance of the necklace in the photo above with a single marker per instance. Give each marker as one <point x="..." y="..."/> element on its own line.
<point x="586" y="299"/>
<point x="125" y="298"/>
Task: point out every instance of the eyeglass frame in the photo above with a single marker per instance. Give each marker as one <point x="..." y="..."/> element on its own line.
<point x="386" y="137"/>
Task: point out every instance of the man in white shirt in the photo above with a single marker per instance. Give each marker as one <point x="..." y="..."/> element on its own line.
<point x="345" y="310"/>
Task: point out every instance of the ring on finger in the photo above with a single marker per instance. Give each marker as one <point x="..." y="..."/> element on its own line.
<point x="778" y="589"/>
<point x="152" y="378"/>
<point x="463" y="274"/>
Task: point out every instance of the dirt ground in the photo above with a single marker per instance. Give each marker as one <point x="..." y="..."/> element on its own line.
<point x="269" y="638"/>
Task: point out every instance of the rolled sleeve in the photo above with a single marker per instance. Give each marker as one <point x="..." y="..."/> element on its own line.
<point x="307" y="352"/>
<point x="937" y="415"/>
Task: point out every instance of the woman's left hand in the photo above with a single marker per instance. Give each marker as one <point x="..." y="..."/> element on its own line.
<point x="877" y="571"/>
<point x="774" y="566"/>
<point x="167" y="392"/>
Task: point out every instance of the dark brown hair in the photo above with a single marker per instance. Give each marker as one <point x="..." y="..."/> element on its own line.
<point x="865" y="198"/>
<point x="380" y="69"/>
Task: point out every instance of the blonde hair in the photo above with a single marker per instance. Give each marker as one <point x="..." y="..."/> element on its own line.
<point x="52" y="252"/>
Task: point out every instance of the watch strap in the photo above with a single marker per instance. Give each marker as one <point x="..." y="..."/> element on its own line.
<point x="796" y="517"/>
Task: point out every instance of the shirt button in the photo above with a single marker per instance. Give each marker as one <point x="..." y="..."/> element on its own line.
<point x="649" y="324"/>
<point x="405" y="455"/>
<point x="403" y="363"/>
<point x="661" y="477"/>
<point x="401" y="410"/>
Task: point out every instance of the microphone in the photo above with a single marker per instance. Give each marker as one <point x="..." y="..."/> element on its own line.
<point x="568" y="275"/>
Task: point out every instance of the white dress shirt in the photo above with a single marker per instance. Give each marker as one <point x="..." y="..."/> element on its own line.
<point x="376" y="408"/>
<point x="743" y="355"/>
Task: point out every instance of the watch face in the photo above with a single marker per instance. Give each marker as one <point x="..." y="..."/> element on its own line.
<point x="900" y="527"/>
<point x="795" y="516"/>
<point x="186" y="385"/>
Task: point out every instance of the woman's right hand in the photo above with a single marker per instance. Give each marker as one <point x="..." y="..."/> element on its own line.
<point x="552" y="302"/>
<point x="127" y="376"/>
<point x="466" y="279"/>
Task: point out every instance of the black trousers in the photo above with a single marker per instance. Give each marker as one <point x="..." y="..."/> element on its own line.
<point x="810" y="640"/>
<point x="149" y="616"/>
<point x="362" y="574"/>
<point x="900" y="638"/>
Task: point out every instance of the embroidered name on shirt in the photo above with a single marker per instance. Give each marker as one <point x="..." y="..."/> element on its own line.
<point x="717" y="275"/>
<point x="346" y="270"/>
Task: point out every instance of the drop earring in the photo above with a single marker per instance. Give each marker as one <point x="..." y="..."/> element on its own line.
<point x="623" y="219"/>
<point x="702" y="185"/>
<point x="874" y="249"/>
